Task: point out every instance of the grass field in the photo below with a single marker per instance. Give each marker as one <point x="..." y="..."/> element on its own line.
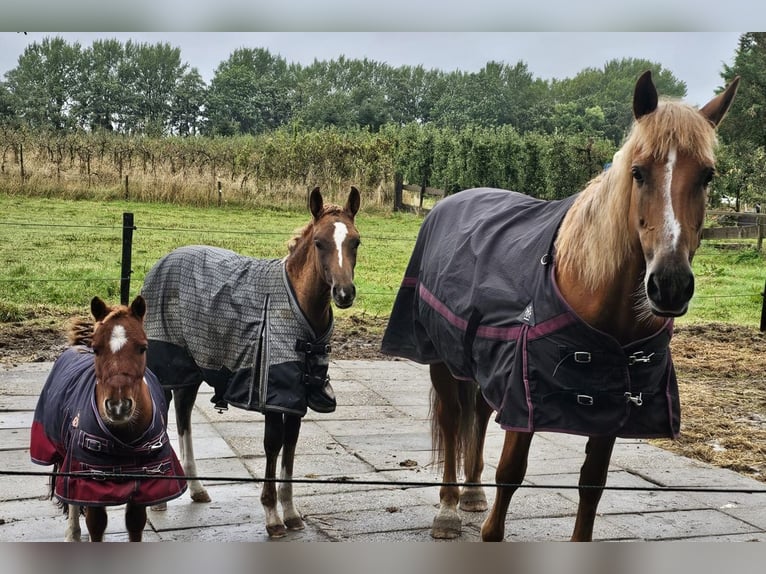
<point x="55" y="255"/>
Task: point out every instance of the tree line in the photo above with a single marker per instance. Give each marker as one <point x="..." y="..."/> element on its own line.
<point x="444" y="129"/>
<point x="147" y="89"/>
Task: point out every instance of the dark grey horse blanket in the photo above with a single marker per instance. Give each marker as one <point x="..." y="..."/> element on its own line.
<point x="68" y="431"/>
<point x="233" y="321"/>
<point x="479" y="294"/>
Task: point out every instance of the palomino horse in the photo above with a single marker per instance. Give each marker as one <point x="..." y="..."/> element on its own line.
<point x="102" y="413"/>
<point x="258" y="331"/>
<point x="561" y="311"/>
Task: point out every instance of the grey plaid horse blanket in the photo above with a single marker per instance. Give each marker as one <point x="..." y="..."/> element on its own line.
<point x="479" y="293"/>
<point x="233" y="321"/>
<point x="68" y="431"/>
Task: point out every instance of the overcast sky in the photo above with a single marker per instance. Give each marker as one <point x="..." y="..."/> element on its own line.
<point x="696" y="58"/>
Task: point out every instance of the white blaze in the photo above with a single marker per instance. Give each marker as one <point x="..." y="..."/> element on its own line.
<point x="340" y="234"/>
<point x="672" y="227"/>
<point x="118" y="338"/>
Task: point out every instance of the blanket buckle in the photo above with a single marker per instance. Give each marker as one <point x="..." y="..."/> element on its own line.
<point x="639" y="357"/>
<point x="582" y="357"/>
<point x="585" y="400"/>
<point x="635" y="399"/>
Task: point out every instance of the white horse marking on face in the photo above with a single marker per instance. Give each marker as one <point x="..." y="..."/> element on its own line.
<point x="340" y="235"/>
<point x="118" y="339"/>
<point x="672" y="226"/>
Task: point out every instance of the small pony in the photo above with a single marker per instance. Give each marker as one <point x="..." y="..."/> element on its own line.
<point x="258" y="331"/>
<point x="102" y="412"/>
<point x="557" y="315"/>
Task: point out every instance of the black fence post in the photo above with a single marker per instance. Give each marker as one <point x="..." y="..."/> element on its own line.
<point x="127" y="254"/>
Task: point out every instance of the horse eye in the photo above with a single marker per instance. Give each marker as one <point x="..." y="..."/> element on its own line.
<point x="317" y="244"/>
<point x="637" y="175"/>
<point x="709" y="176"/>
<point x="142" y="349"/>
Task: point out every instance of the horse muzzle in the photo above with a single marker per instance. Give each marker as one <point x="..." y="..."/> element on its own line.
<point x="344" y="296"/>
<point x="669" y="291"/>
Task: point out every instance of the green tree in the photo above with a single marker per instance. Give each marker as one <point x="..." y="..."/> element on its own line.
<point x="100" y="93"/>
<point x="44" y="81"/>
<point x="251" y="93"/>
<point x="187" y="104"/>
<point x="746" y="120"/>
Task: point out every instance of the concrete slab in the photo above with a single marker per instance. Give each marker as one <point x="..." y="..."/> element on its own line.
<point x="365" y="475"/>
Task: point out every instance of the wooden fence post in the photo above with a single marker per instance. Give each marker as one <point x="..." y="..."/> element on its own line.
<point x="398" y="183"/>
<point x="127" y="255"/>
<point x="127" y="195"/>
<point x="220" y="193"/>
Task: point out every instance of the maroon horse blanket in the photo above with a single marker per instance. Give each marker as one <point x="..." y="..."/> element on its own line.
<point x="480" y="294"/>
<point x="68" y="431"/>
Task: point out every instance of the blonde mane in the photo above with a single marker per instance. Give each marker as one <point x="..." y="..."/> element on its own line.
<point x="595" y="239"/>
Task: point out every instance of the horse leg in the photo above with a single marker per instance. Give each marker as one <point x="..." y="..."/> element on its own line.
<point x="135" y="521"/>
<point x="445" y="418"/>
<point x="292" y="517"/>
<point x="183" y="399"/>
<point x="598" y="452"/>
<point x="473" y="498"/>
<point x="95" y="519"/>
<point x="73" y="532"/>
<point x="510" y="470"/>
<point x="273" y="438"/>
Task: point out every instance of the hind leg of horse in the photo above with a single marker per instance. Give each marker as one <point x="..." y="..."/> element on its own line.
<point x="447" y="523"/>
<point x="273" y="439"/>
<point x="292" y="517"/>
<point x="598" y="452"/>
<point x="96" y="519"/>
<point x="135" y="521"/>
<point x="73" y="532"/>
<point x="183" y="399"/>
<point x="510" y="470"/>
<point x="473" y="498"/>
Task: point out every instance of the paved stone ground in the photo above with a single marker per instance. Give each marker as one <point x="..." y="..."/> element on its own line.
<point x="380" y="432"/>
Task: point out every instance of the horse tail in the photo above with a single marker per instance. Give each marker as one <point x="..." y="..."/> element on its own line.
<point x="80" y="333"/>
<point x="462" y="419"/>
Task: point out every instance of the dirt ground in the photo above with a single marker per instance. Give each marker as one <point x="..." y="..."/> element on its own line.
<point x="721" y="370"/>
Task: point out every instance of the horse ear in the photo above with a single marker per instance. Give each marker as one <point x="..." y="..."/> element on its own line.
<point x="138" y="307"/>
<point x="353" y="201"/>
<point x="315" y="202"/>
<point x="98" y="308"/>
<point x="644" y="96"/>
<point x="716" y="109"/>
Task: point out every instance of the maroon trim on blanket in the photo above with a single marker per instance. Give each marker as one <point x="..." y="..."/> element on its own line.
<point x="441" y="308"/>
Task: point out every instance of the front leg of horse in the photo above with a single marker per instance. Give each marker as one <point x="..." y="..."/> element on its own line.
<point x="594" y="471"/>
<point x="273" y="438"/>
<point x="510" y="470"/>
<point x="135" y="521"/>
<point x="73" y="532"/>
<point x="292" y="516"/>
<point x="96" y="520"/>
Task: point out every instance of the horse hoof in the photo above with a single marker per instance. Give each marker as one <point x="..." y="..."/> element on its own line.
<point x="161" y="507"/>
<point x="446" y="525"/>
<point x="201" y="496"/>
<point x="473" y="500"/>
<point x="276" y="530"/>
<point x="294" y="523"/>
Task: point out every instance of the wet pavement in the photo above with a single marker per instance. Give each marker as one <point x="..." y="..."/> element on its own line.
<point x="380" y="433"/>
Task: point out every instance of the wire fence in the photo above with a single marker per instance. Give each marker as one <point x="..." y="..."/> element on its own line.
<point x="124" y="280"/>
